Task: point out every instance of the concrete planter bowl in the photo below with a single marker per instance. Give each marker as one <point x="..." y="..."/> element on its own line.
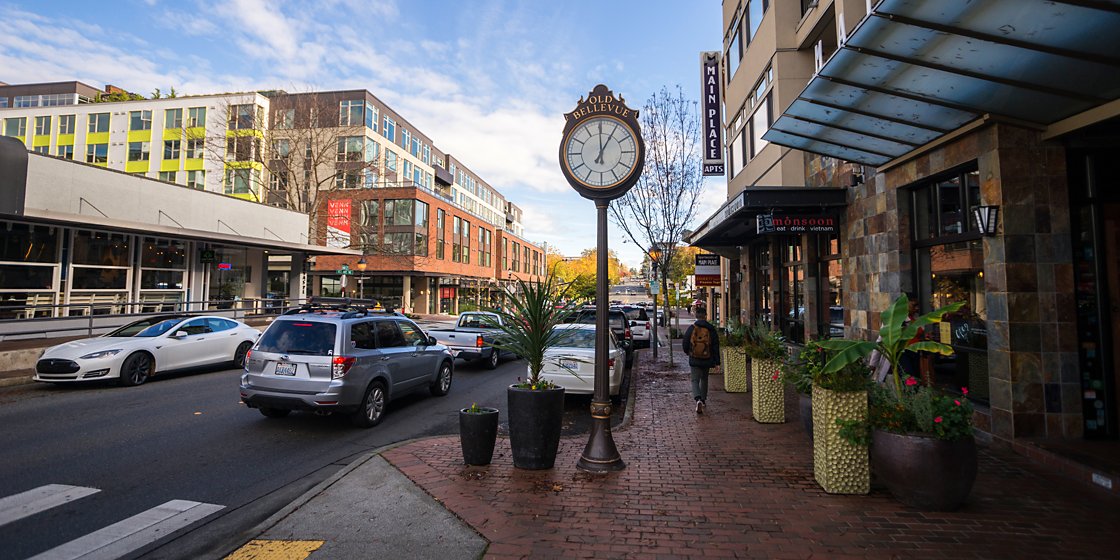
<point x="535" y="421"/>
<point x="839" y="467"/>
<point x="734" y="362"/>
<point x="768" y="399"/>
<point x="924" y="472"/>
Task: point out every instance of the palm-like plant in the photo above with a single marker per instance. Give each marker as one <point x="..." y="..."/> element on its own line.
<point x="894" y="339"/>
<point x="528" y="324"/>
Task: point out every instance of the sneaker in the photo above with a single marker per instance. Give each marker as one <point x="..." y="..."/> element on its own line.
<point x="703" y="406"/>
<point x="699" y="406"/>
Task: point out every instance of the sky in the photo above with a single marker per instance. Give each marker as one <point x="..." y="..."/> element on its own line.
<point x="487" y="80"/>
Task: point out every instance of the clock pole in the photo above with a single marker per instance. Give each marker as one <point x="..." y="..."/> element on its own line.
<point x="601" y="455"/>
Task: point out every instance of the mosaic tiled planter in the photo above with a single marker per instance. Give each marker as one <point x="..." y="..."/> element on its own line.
<point x="734" y="362"/>
<point x="839" y="467"/>
<point x="768" y="400"/>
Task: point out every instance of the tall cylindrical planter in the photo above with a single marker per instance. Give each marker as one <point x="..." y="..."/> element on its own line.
<point x="839" y="467"/>
<point x="768" y="399"/>
<point x="478" y="431"/>
<point x="733" y="360"/>
<point x="924" y="472"/>
<point x="535" y="419"/>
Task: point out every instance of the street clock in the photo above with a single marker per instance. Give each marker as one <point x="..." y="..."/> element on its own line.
<point x="602" y="153"/>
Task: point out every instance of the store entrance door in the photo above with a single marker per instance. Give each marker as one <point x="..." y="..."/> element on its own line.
<point x="1111" y="254"/>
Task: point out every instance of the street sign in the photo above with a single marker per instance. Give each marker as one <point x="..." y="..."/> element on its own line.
<point x="654" y="288"/>
<point x="345" y="271"/>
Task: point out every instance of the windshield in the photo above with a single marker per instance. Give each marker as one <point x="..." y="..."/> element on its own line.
<point x="613" y="318"/>
<point x="299" y="337"/>
<point x="152" y="326"/>
<point x="578" y="338"/>
<point x="635" y="314"/>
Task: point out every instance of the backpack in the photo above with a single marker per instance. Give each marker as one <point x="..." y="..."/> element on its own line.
<point x="701" y="343"/>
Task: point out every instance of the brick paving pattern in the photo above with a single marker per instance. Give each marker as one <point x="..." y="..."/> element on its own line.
<point x="720" y="485"/>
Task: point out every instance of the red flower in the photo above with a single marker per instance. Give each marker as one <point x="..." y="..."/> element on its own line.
<point x="910" y="382"/>
<point x="964" y="390"/>
<point x="775" y="376"/>
<point x="956" y="402"/>
<point x="937" y="420"/>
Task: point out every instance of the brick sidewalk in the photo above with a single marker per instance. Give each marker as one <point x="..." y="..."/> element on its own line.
<point x="721" y="485"/>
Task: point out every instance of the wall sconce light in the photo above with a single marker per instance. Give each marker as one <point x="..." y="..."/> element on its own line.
<point x="987" y="219"/>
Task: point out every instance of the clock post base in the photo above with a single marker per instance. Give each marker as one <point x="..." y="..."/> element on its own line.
<point x="600" y="455"/>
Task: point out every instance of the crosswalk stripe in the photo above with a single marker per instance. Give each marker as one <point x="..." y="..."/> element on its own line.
<point x="126" y="536"/>
<point x="26" y="504"/>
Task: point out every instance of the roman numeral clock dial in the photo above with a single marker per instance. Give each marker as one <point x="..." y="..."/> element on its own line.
<point x="601" y="152"/>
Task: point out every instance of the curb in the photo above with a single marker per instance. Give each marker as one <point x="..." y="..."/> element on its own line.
<point x="15" y="381"/>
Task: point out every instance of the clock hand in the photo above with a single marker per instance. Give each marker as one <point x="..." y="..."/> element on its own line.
<point x="599" y="158"/>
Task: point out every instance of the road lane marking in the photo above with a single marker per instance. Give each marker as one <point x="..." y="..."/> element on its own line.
<point x="129" y="535"/>
<point x="26" y="504"/>
<point x="275" y="550"/>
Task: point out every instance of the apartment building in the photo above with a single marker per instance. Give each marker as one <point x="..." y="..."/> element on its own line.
<point x="957" y="151"/>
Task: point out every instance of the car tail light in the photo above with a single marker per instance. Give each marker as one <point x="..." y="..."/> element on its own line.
<point x="649" y="325"/>
<point x="627" y="334"/>
<point x="248" y="353"/>
<point x="340" y="365"/>
<point x="479" y="342"/>
<point x="610" y="363"/>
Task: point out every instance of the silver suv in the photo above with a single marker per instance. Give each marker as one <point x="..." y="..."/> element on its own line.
<point x="342" y="358"/>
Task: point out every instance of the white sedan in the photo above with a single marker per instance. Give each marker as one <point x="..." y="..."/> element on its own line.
<point x="138" y="350"/>
<point x="571" y="364"/>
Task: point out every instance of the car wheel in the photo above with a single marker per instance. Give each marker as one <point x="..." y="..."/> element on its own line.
<point x="275" y="412"/>
<point x="494" y="359"/>
<point x="136" y="369"/>
<point x="442" y="384"/>
<point x="372" y="410"/>
<point x="239" y="355"/>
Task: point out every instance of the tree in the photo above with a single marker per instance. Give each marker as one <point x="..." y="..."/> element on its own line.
<point x="655" y="213"/>
<point x="580" y="274"/>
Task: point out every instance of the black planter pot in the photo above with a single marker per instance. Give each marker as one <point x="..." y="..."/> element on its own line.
<point x="806" y="407"/>
<point x="924" y="472"/>
<point x="535" y="419"/>
<point x="477" y="433"/>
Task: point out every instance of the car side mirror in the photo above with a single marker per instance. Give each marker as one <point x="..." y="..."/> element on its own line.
<point x="432" y="341"/>
<point x="179" y="334"/>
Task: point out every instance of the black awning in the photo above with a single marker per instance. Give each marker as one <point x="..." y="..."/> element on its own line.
<point x="736" y="222"/>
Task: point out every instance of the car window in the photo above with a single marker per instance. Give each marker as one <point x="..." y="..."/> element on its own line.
<point x="195" y="326"/>
<point x="579" y="338"/>
<point x="150" y="326"/>
<point x="636" y="314"/>
<point x="412" y="334"/>
<point x="473" y="322"/>
<point x="388" y="335"/>
<point x="361" y="336"/>
<point x="154" y="330"/>
<point x="298" y="337"/>
<point x="217" y="324"/>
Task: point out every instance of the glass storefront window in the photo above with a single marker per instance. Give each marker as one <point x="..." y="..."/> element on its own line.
<point x="84" y="278"/>
<point x="160" y="253"/>
<point x="792" y="322"/>
<point x="27" y="243"/>
<point x="99" y="248"/>
<point x="761" y="283"/>
<point x="23" y="277"/>
<point x="832" y="324"/>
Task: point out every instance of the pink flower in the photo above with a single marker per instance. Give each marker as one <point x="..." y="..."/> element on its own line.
<point x="964" y="390"/>
<point x="956" y="402"/>
<point x="937" y="420"/>
<point x="910" y="382"/>
<point x="775" y="376"/>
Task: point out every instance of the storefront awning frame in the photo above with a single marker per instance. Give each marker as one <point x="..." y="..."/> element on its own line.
<point x="734" y="224"/>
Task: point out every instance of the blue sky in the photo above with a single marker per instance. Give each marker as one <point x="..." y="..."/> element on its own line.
<point x="488" y="80"/>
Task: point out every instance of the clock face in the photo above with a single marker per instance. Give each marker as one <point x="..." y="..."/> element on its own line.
<point x="601" y="152"/>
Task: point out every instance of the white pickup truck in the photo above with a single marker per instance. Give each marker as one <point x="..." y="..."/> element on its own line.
<point x="471" y="338"/>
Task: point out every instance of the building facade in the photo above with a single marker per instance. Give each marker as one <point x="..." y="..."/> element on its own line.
<point x="959" y="154"/>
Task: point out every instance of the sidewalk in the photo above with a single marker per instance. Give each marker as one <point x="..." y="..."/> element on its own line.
<point x="699" y="486"/>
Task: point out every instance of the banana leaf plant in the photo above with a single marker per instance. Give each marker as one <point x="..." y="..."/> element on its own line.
<point x="528" y="324"/>
<point x="895" y="337"/>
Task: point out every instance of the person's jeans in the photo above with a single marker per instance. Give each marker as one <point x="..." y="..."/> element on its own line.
<point x="699" y="383"/>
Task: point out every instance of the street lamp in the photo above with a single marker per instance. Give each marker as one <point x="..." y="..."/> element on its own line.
<point x="361" y="266"/>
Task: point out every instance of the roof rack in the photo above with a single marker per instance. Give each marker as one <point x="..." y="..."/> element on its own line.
<point x="349" y="307"/>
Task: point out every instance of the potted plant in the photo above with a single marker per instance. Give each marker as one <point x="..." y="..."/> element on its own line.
<point x="922" y="446"/>
<point x="798" y="373"/>
<point x="840" y="459"/>
<point x="733" y="357"/>
<point x="536" y="406"/>
<point x="478" y="431"/>
<point x="766" y="349"/>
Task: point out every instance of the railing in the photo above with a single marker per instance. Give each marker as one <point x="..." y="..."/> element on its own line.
<point x="96" y="317"/>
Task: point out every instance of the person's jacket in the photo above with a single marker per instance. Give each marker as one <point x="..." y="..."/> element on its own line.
<point x="686" y="344"/>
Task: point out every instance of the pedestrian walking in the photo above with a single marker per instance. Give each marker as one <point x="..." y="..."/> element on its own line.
<point x="701" y="343"/>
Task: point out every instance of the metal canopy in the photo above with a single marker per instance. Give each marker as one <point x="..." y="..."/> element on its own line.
<point x="914" y="70"/>
<point x="734" y="223"/>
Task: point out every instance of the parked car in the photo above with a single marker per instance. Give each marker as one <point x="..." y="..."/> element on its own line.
<point x="342" y="359"/>
<point x="619" y="324"/>
<point x="472" y="337"/>
<point x="571" y="364"/>
<point x="157" y="344"/>
<point x="640" y="325"/>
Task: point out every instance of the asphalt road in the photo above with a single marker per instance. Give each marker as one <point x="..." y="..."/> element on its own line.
<point x="188" y="437"/>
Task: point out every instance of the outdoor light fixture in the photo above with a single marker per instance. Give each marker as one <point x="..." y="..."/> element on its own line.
<point x="987" y="218"/>
<point x="361" y="264"/>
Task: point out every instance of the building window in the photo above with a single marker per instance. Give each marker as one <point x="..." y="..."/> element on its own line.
<point x="194" y="148"/>
<point x="759" y="124"/>
<point x="756" y="9"/>
<point x="516" y="254"/>
<point x="45" y="150"/>
<point x="238" y="181"/>
<point x="465" y="235"/>
<point x="100" y="261"/>
<point x="348" y="180"/>
<point x="281" y="148"/>
<point x="350" y="112"/>
<point x="168" y="176"/>
<point x="171" y="149"/>
<point x="792" y="319"/>
<point x="66" y="124"/>
<point x="97" y="153"/>
<point x="65" y="151"/>
<point x="389" y="129"/>
<point x="350" y="148"/>
<point x="242" y="148"/>
<point x="441" y="221"/>
<point x="139" y="151"/>
<point x="831" y="273"/>
<point x="390" y="160"/>
<point x="42" y="126"/>
<point x="15" y="127"/>
<point x="421" y="246"/>
<point x="196" y="180"/>
<point x="505" y="254"/>
<point x="98" y="122"/>
<point x="242" y="117"/>
<point x="140" y="120"/>
<point x="172" y="118"/>
<point x="196" y="117"/>
<point x="371" y="117"/>
<point x="406" y="138"/>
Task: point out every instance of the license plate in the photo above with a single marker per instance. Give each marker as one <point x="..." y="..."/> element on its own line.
<point x="569" y="364"/>
<point x="285" y="369"/>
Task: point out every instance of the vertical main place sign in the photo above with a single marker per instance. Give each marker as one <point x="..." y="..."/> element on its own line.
<point x="711" y="106"/>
